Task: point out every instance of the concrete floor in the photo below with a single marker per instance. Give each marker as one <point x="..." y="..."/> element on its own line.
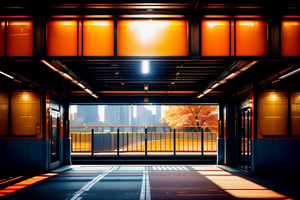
<point x="130" y="182"/>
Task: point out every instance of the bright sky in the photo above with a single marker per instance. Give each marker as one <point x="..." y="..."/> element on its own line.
<point x="73" y="109"/>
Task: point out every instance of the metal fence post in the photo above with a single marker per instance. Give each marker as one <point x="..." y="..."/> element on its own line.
<point x="118" y="142"/>
<point x="202" y="142"/>
<point x="146" y="147"/>
<point x="92" y="141"/>
<point x="174" y="133"/>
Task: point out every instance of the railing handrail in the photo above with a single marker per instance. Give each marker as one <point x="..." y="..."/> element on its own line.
<point x="135" y="126"/>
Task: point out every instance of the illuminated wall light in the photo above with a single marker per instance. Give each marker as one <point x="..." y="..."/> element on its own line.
<point x="152" y="16"/>
<point x="145" y="66"/>
<point x="146" y="87"/>
<point x="247" y="23"/>
<point x="25" y="97"/>
<point x="291" y="23"/>
<point x="147" y="29"/>
<point x="215" y="23"/>
<point x="100" y="23"/>
<point x="273" y="97"/>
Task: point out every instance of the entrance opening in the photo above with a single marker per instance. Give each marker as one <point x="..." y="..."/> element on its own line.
<point x="164" y="130"/>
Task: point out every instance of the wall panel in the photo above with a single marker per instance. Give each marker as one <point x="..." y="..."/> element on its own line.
<point x="62" y="38"/>
<point x="19" y="38"/>
<point x="98" y="38"/>
<point x="215" y="38"/>
<point x="153" y="38"/>
<point x="251" y="38"/>
<point x="290" y="38"/>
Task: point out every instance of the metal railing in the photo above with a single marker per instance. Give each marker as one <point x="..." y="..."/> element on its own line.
<point x="142" y="139"/>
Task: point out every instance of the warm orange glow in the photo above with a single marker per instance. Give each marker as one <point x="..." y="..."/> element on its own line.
<point x="98" y="38"/>
<point x="24" y="184"/>
<point x="215" y="38"/>
<point x="19" y="38"/>
<point x="210" y="172"/>
<point x="2" y="38"/>
<point x="234" y="182"/>
<point x="15" y="187"/>
<point x="98" y="16"/>
<point x="273" y="97"/>
<point x="152" y="38"/>
<point x="290" y="38"/>
<point x="25" y="97"/>
<point x="242" y="188"/>
<point x="251" y="38"/>
<point x="152" y="16"/>
<point x="256" y="194"/>
<point x="62" y="38"/>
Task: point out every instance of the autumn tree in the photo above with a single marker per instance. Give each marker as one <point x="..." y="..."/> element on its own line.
<point x="197" y="116"/>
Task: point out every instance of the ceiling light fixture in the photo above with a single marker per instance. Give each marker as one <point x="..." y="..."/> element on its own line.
<point x="289" y="74"/>
<point x="8" y="76"/>
<point x="227" y="75"/>
<point x="145" y="66"/>
<point x="69" y="77"/>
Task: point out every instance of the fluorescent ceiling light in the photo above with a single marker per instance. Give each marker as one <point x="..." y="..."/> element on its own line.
<point x="289" y="74"/>
<point x="145" y="66"/>
<point x="9" y="76"/>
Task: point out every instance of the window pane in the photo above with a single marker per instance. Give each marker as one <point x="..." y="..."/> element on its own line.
<point x="272" y="113"/>
<point x="62" y="38"/>
<point x="290" y="38"/>
<point x="251" y="38"/>
<point x="19" y="38"/>
<point x="295" y="113"/>
<point x="152" y="38"/>
<point x="2" y="38"/>
<point x="3" y="113"/>
<point x="215" y="38"/>
<point x="98" y="38"/>
<point x="25" y="113"/>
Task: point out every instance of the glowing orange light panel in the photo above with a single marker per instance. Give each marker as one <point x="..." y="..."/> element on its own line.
<point x="19" y="38"/>
<point x="152" y="38"/>
<point x="62" y="38"/>
<point x="290" y="38"/>
<point x="2" y="38"/>
<point x="98" y="38"/>
<point x="215" y="38"/>
<point x="251" y="38"/>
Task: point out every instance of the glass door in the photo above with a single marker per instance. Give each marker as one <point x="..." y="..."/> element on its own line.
<point x="54" y="133"/>
<point x="245" y="139"/>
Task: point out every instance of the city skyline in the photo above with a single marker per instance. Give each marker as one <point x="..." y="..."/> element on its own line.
<point x="117" y="114"/>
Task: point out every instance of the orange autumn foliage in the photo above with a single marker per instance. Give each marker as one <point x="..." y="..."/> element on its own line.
<point x="198" y="116"/>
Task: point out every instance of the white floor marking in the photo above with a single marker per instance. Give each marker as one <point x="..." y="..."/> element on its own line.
<point x="145" y="190"/>
<point x="90" y="184"/>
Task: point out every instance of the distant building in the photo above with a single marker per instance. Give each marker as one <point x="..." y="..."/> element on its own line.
<point x="88" y="113"/>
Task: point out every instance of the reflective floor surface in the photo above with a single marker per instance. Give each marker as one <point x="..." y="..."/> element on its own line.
<point x="79" y="182"/>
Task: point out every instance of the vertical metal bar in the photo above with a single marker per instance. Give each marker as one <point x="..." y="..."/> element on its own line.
<point x="202" y="140"/>
<point x="118" y="142"/>
<point x="146" y="142"/>
<point x="174" y="136"/>
<point x="160" y="141"/>
<point x="92" y="142"/>
<point x="127" y="140"/>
